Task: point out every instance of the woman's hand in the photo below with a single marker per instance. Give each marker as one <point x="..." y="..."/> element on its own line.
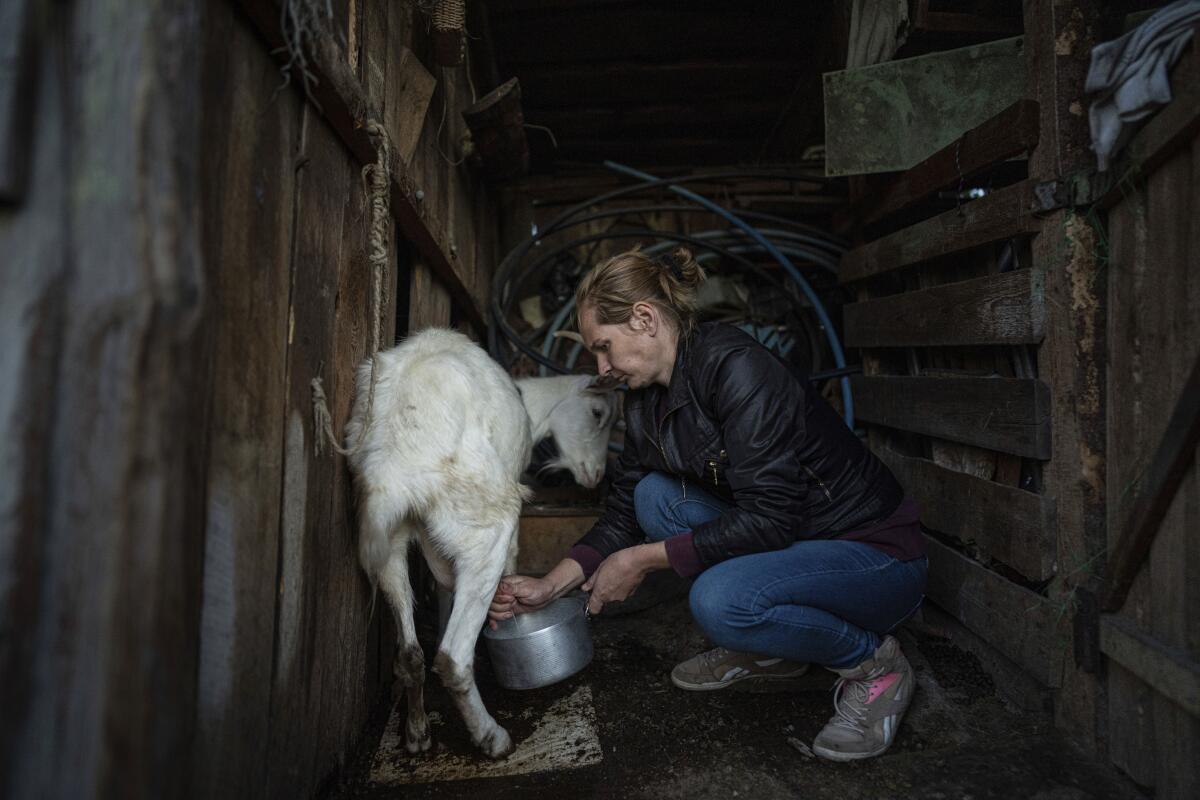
<point x="619" y="575"/>
<point x="518" y="594"/>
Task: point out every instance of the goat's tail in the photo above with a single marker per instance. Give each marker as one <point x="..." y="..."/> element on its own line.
<point x="374" y="550"/>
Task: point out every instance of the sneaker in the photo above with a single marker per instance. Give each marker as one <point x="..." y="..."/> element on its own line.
<point x="718" y="668"/>
<point x="870" y="701"/>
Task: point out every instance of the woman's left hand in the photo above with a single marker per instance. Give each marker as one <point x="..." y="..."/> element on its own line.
<point x="619" y="575"/>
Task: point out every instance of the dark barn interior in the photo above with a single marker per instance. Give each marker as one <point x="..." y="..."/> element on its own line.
<point x="212" y="212"/>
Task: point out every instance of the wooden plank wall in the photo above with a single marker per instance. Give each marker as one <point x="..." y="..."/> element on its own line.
<point x="1029" y="480"/>
<point x="182" y="611"/>
<point x="286" y="706"/>
<point x="1152" y="643"/>
<point x="982" y="339"/>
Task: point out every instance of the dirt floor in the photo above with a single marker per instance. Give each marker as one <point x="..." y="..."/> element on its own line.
<point x="632" y="734"/>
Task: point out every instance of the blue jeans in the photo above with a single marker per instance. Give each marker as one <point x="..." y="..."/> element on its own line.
<point x="824" y="601"/>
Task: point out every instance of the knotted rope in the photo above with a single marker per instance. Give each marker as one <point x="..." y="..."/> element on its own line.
<point x="449" y="15"/>
<point x="377" y="180"/>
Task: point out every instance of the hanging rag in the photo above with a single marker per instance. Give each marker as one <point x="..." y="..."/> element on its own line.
<point x="878" y="28"/>
<point x="1130" y="75"/>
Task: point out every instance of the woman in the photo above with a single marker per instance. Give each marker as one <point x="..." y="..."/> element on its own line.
<point x="737" y="473"/>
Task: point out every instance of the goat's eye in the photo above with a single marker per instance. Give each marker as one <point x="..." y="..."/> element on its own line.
<point x="598" y="413"/>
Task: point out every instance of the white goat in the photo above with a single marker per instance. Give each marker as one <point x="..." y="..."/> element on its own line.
<point x="448" y="437"/>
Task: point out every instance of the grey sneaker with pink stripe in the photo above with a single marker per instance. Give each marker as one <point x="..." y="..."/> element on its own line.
<point x="869" y="701"/>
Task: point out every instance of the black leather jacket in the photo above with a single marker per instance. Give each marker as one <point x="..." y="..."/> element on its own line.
<point x="740" y="423"/>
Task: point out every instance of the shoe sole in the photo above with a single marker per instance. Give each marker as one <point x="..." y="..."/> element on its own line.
<point x="838" y="755"/>
<point x="714" y="686"/>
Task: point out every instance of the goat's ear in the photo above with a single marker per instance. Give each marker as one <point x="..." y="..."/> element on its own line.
<point x="601" y="384"/>
<point x="572" y="335"/>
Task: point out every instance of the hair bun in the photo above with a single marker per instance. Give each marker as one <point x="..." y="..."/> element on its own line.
<point x="671" y="263"/>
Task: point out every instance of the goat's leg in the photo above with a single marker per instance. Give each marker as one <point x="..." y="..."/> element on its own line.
<point x="443" y="574"/>
<point x="409" y="666"/>
<point x="477" y="571"/>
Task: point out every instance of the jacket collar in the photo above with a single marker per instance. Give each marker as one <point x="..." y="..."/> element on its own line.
<point x="679" y="393"/>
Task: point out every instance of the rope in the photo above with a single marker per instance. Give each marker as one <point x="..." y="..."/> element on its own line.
<point x="449" y="15"/>
<point x="377" y="180"/>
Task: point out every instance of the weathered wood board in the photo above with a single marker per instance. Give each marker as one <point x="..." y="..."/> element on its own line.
<point x="1002" y="522"/>
<point x="248" y="201"/>
<point x="1002" y="214"/>
<point x="1154" y="326"/>
<point x="1012" y="132"/>
<point x="999" y="309"/>
<point x="1011" y="415"/>
<point x="1025" y="626"/>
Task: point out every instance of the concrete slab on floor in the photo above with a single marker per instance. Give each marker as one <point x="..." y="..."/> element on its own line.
<point x="656" y="741"/>
<point x="564" y="737"/>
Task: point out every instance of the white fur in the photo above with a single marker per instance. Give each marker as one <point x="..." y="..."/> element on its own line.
<point x="448" y="438"/>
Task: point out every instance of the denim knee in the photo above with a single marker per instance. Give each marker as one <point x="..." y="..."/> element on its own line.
<point x="652" y="499"/>
<point x="716" y="606"/>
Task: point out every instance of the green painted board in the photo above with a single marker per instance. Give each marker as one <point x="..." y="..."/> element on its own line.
<point x="889" y="117"/>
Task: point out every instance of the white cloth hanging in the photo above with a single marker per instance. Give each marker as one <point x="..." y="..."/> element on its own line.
<point x="1131" y="76"/>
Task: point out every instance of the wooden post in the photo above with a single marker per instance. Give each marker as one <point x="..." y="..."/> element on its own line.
<point x="1059" y="37"/>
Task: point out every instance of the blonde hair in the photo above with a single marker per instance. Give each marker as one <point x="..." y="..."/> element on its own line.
<point x="668" y="281"/>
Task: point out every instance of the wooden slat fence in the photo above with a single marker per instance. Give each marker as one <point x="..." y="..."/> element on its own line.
<point x="1027" y="359"/>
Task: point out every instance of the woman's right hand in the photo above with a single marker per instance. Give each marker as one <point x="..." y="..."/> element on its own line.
<point x="518" y="594"/>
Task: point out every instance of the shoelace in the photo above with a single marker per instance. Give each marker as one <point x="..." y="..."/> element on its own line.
<point x="710" y="658"/>
<point x="852" y="711"/>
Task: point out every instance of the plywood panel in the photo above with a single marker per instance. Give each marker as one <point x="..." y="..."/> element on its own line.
<point x="933" y="98"/>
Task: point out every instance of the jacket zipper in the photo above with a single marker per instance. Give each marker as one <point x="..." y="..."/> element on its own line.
<point x="662" y="449"/>
<point x="712" y="465"/>
<point x="820" y="483"/>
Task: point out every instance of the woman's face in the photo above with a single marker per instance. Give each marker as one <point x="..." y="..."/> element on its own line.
<point x="637" y="352"/>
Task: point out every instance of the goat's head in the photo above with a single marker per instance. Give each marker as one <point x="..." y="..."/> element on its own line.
<point x="580" y="420"/>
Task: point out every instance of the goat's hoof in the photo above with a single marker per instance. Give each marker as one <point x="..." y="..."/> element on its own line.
<point x="497" y="744"/>
<point x="415" y="746"/>
<point x="416" y="736"/>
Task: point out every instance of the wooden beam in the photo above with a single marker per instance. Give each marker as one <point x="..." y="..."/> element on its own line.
<point x="997" y="216"/>
<point x="1011" y="415"/>
<point x="1173" y="457"/>
<point x="347" y="108"/>
<point x="997" y="309"/>
<point x="1002" y="522"/>
<point x="1059" y="36"/>
<point x="1023" y="625"/>
<point x="1169" y="670"/>
<point x="1010" y="133"/>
